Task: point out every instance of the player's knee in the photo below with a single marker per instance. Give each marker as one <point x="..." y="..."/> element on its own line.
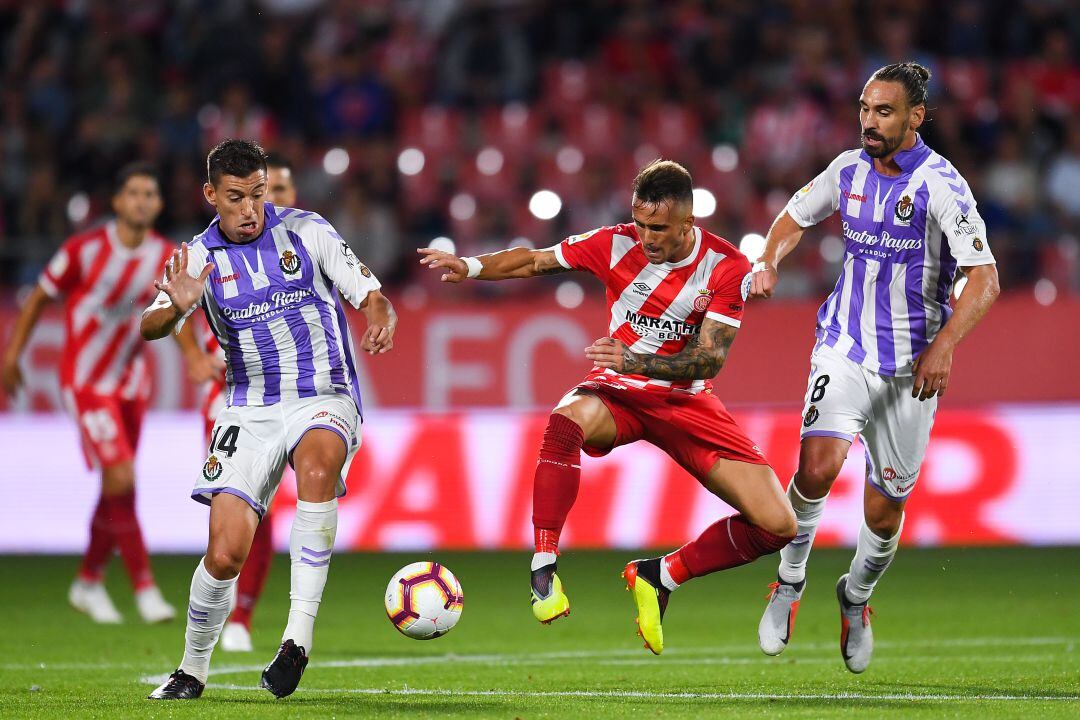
<point x="223" y="563"/>
<point x="815" y="476"/>
<point x="569" y="412"/>
<point x="118" y="480"/>
<point x="315" y="482"/>
<point x="885" y="524"/>
<point x="781" y="523"/>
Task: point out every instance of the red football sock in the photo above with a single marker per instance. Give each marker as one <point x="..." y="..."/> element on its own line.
<point x="555" y="485"/>
<point x="100" y="547"/>
<point x="253" y="577"/>
<point x="725" y="544"/>
<point x="128" y="538"/>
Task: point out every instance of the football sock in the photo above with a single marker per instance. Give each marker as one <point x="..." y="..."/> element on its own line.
<point x="129" y="540"/>
<point x="794" y="555"/>
<point x="555" y="484"/>
<point x="543" y="559"/>
<point x="871" y="560"/>
<point x="725" y="544"/>
<point x="208" y="606"/>
<point x="253" y="576"/>
<point x="100" y="547"/>
<point x="310" y="547"/>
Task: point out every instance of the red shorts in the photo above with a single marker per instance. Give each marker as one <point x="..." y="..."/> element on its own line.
<point x="695" y="430"/>
<point x="109" y="427"/>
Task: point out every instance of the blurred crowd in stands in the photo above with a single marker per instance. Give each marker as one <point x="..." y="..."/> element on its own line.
<point x="410" y="120"/>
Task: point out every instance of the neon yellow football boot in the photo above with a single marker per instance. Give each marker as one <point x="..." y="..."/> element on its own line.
<point x="549" y="602"/>
<point x="651" y="598"/>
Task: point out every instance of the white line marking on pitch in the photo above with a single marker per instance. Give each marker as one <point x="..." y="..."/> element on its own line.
<point x="655" y="695"/>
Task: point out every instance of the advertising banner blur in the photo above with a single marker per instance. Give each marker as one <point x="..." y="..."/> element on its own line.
<point x="525" y="353"/>
<point x="1001" y="475"/>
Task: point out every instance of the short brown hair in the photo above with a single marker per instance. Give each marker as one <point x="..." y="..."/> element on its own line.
<point x="664" y="181"/>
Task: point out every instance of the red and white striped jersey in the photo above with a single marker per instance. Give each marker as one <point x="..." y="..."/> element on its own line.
<point x="107" y="286"/>
<point x="658" y="308"/>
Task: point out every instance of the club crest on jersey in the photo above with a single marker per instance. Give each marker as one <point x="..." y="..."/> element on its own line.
<point x="905" y="209"/>
<point x="977" y="243"/>
<point x="289" y="263"/>
<point x="811" y="416"/>
<point x="211" y="470"/>
<point x="701" y="302"/>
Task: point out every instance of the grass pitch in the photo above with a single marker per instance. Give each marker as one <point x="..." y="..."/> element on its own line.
<point x="981" y="633"/>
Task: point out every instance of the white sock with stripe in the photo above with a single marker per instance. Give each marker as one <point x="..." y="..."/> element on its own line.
<point x="794" y="555"/>
<point x="310" y="547"/>
<point x="209" y="604"/>
<point x="872" y="558"/>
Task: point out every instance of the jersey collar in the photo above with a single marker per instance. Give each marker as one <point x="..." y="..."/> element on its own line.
<point x="689" y="258"/>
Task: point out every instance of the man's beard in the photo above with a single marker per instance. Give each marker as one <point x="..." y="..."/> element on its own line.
<point x="888" y="145"/>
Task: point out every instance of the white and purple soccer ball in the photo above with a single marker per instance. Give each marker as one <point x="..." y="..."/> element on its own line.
<point x="424" y="600"/>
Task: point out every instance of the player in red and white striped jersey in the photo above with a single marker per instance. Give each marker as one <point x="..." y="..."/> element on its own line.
<point x="206" y="365"/>
<point x="675" y="296"/>
<point x="107" y="276"/>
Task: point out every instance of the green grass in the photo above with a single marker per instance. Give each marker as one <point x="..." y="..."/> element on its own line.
<point x="957" y="630"/>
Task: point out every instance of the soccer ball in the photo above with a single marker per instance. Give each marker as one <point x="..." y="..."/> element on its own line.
<point x="423" y="600"/>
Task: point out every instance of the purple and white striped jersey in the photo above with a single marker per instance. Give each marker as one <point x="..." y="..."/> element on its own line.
<point x="273" y="307"/>
<point x="904" y="237"/>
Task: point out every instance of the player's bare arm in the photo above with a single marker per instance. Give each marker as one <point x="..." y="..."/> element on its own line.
<point x="184" y="292"/>
<point x="381" y="324"/>
<point x="24" y="325"/>
<point x="701" y="359"/>
<point x="782" y="238"/>
<point x="934" y="365"/>
<point x="201" y="365"/>
<point x="516" y="262"/>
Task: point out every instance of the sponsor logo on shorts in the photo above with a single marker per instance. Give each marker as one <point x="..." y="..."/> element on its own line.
<point x="888" y="474"/>
<point x="901" y="483"/>
<point x="211" y="470"/>
<point x="289" y="263"/>
<point x="333" y="419"/>
<point x="811" y="416"/>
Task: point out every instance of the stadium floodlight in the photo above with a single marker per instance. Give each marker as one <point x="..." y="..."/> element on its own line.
<point x="78" y="207"/>
<point x="545" y="204"/>
<point x="725" y="157"/>
<point x="462" y="207"/>
<point x="489" y="161"/>
<point x="831" y="249"/>
<point x="569" y="294"/>
<point x="1045" y="291"/>
<point x="752" y="246"/>
<point x="443" y="244"/>
<point x="410" y="161"/>
<point x="336" y="161"/>
<point x="569" y="160"/>
<point x="704" y="203"/>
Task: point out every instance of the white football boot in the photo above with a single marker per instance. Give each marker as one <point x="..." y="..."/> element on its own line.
<point x="236" y="638"/>
<point x="92" y="599"/>
<point x="856" y="635"/>
<point x="778" y="622"/>
<point x="152" y="606"/>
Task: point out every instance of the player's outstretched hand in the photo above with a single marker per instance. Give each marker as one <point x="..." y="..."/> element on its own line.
<point x="182" y="289"/>
<point x="931" y="369"/>
<point x="608" y="353"/>
<point x="378" y="339"/>
<point x="456" y="270"/>
<point x="763" y="281"/>
<point x="11" y="376"/>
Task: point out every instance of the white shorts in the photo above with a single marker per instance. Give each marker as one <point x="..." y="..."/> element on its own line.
<point x="250" y="446"/>
<point x="844" y="399"/>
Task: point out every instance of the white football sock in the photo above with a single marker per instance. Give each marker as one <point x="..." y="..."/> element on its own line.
<point x="794" y="555"/>
<point x="541" y="559"/>
<point x="310" y="547"/>
<point x="209" y="603"/>
<point x="871" y="560"/>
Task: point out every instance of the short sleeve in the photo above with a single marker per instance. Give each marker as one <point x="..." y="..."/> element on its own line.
<point x="730" y="286"/>
<point x="818" y="199"/>
<point x="964" y="228"/>
<point x="352" y="278"/>
<point x="63" y="272"/>
<point x="589" y="251"/>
